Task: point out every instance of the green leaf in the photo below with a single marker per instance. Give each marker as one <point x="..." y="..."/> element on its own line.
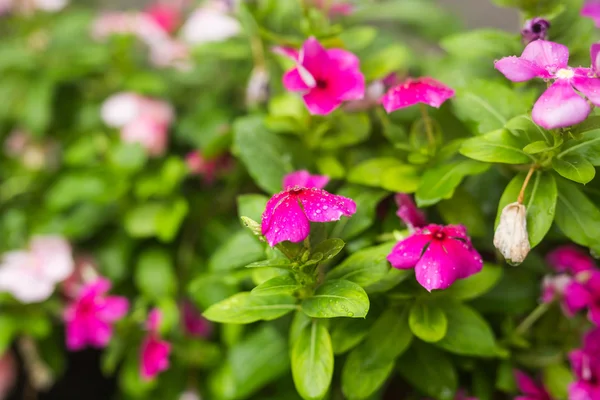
<point x="347" y="130"/>
<point x="475" y="285"/>
<point x="429" y="370"/>
<point x="490" y="105"/>
<point x="37" y="110"/>
<point x="488" y="43"/>
<point x="346" y="333"/>
<point x="468" y="333"/>
<point x="244" y="308"/>
<point x="154" y="274"/>
<point x="499" y="146"/>
<point x="312" y="361"/>
<point x="385" y="61"/>
<point x="369" y="172"/>
<point x="402" y="178"/>
<point x="454" y="212"/>
<point x="575" y="168"/>
<point x="427" y="321"/>
<point x="284" y="284"/>
<point x="540" y="203"/>
<point x="523" y="127"/>
<point x="329" y="248"/>
<point x="371" y="362"/>
<point x="364" y="267"/>
<point x="7" y="331"/>
<point x="239" y="250"/>
<point x="358" y="37"/>
<point x="440" y="182"/>
<point x="576" y="216"/>
<point x="251" y="206"/>
<point x="556" y="379"/>
<point x="282" y="263"/>
<point x="366" y="200"/>
<point x="170" y="218"/>
<point x="586" y="146"/>
<point x="537" y="147"/>
<point x="337" y="298"/>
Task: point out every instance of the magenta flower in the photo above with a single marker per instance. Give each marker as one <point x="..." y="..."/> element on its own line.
<point x="304" y="179"/>
<point x="155" y="352"/>
<point x="531" y="389"/>
<point x="325" y="77"/>
<point x="90" y="316"/>
<point x="194" y="323"/>
<point x="288" y="213"/>
<point x="583" y="292"/>
<point x="570" y="259"/>
<point x="535" y="29"/>
<point x="591" y="9"/>
<point x="412" y="91"/>
<point x="408" y="212"/>
<point x="335" y="8"/>
<point x="166" y="16"/>
<point x="439" y="254"/>
<point x="560" y="105"/>
<point x="585" y="363"/>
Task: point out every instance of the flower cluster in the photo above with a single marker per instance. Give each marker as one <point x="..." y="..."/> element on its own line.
<point x="585" y="363"/>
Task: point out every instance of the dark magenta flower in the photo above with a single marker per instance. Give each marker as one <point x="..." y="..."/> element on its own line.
<point x="535" y="29"/>
<point x="570" y="259"/>
<point x="303" y="178"/>
<point x="412" y="91"/>
<point x="585" y="363"/>
<point x="193" y="322"/>
<point x="408" y="212"/>
<point x="439" y="254"/>
<point x="530" y="389"/>
<point x="154" y="352"/>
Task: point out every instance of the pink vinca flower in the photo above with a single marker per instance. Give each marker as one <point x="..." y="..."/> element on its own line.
<point x="325" y="77"/>
<point x="304" y="179"/>
<point x="194" y="323"/>
<point x="335" y="8"/>
<point x="89" y="318"/>
<point x="560" y="105"/>
<point x="570" y="259"/>
<point x="413" y="91"/>
<point x="408" y="212"/>
<point x="85" y="270"/>
<point x="197" y="164"/>
<point x="530" y="389"/>
<point x="155" y="352"/>
<point x="439" y="254"/>
<point x="585" y="363"/>
<point x="288" y="213"/>
<point x="591" y="9"/>
<point x="30" y="275"/>
<point x="583" y="292"/>
<point x="164" y="15"/>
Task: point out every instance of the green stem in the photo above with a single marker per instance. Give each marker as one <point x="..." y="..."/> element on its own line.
<point x="532" y="318"/>
<point x="427" y="122"/>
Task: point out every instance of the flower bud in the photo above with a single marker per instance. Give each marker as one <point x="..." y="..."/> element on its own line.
<point x="511" y="237"/>
<point x="534" y="29"/>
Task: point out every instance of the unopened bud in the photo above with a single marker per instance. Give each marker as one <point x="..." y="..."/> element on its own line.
<point x="535" y="29"/>
<point x="511" y="237"/>
<point x="257" y="91"/>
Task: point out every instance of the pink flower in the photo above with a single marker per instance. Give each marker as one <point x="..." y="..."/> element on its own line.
<point x="591" y="9"/>
<point x="335" y="7"/>
<point x="210" y="23"/>
<point x="408" y="212"/>
<point x="193" y="322"/>
<point x="90" y="316"/>
<point x="560" y="105"/>
<point x="285" y="219"/>
<point x="326" y="77"/>
<point x="531" y="389"/>
<point x="149" y="133"/>
<point x="171" y="53"/>
<point x="584" y="292"/>
<point x="554" y="288"/>
<point x="535" y="29"/>
<point x="412" y="91"/>
<point x="570" y="259"/>
<point x="30" y="275"/>
<point x="85" y="270"/>
<point x="207" y="168"/>
<point x="8" y="373"/>
<point x="439" y="254"/>
<point x="154" y="352"/>
<point x="165" y="16"/>
<point x="585" y="363"/>
<point x="304" y="179"/>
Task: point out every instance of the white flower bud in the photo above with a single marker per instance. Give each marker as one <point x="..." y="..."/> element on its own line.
<point x="511" y="237"/>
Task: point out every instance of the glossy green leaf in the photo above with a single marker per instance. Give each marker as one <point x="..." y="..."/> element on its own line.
<point x="427" y="321"/>
<point x="154" y="274"/>
<point x="347" y="130"/>
<point x="284" y="284"/>
<point x="498" y="146"/>
<point x="329" y="248"/>
<point x="239" y="250"/>
<point x="251" y="206"/>
<point x="364" y="267"/>
<point x="489" y="43"/>
<point x="586" y="146"/>
<point x="556" y="379"/>
<point x="366" y="200"/>
<point x="575" y="168"/>
<point x="369" y="173"/>
<point x="402" y="179"/>
<point x="337" y="298"/>
<point x="475" y="285"/>
<point x="244" y="308"/>
<point x="346" y="333"/>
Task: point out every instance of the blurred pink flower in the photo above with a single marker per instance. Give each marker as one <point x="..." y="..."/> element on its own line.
<point x="303" y="178"/>
<point x="146" y="131"/>
<point x="284" y="218"/>
<point x="85" y="270"/>
<point x="326" y="78"/>
<point x="335" y="7"/>
<point x="114" y="23"/>
<point x="570" y="259"/>
<point x="408" y="212"/>
<point x="413" y="91"/>
<point x="16" y="143"/>
<point x="154" y="352"/>
<point x="90" y="316"/>
<point x="171" y="53"/>
<point x="439" y="254"/>
<point x="210" y="23"/>
<point x="30" y="275"/>
<point x="585" y="363"/>
<point x="207" y="168"/>
<point x="120" y="109"/>
<point x="530" y="389"/>
<point x="591" y="9"/>
<point x="193" y="322"/>
<point x="8" y="373"/>
<point x="164" y="15"/>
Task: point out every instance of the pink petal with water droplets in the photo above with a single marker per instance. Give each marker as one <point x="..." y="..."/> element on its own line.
<point x="559" y="106"/>
<point x="590" y="87"/>
<point x="314" y="58"/>
<point x="457" y="231"/>
<point x="408" y="212"/>
<point x="322" y="206"/>
<point x="530" y="387"/>
<point x="519" y="70"/>
<point x="272" y="204"/>
<point x="288" y="222"/>
<point x="321" y="102"/>
<point x="294" y="82"/>
<point x="288" y="52"/>
<point x="591" y="9"/>
<point x="304" y="179"/>
<point x="407" y="252"/>
<point x="546" y="54"/>
<point x="413" y="91"/>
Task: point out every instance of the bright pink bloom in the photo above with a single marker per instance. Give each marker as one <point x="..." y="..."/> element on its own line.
<point x="531" y="389"/>
<point x="595" y="56"/>
<point x="193" y="322"/>
<point x="304" y="179"/>
<point x="584" y="292"/>
<point x="439" y="254"/>
<point x="8" y="373"/>
<point x="326" y="77"/>
<point x="591" y="9"/>
<point x="570" y="259"/>
<point x="408" y="212"/>
<point x="90" y="317"/>
<point x="412" y="91"/>
<point x="585" y="363"/>
<point x="288" y="213"/>
<point x="560" y="105"/>
<point x="154" y="352"/>
<point x="165" y="16"/>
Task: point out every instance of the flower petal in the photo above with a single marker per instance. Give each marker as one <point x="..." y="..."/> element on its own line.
<point x="288" y="222"/>
<point x="546" y="54"/>
<point x="407" y="252"/>
<point x="347" y="85"/>
<point x="294" y="82"/>
<point x="423" y="90"/>
<point x="288" y="52"/>
<point x="590" y="87"/>
<point x="53" y="253"/>
<point x="526" y="384"/>
<point x="591" y="9"/>
<point x="519" y="70"/>
<point x="559" y="106"/>
<point x="76" y="335"/>
<point x="98" y="332"/>
<point x="155" y="357"/>
<point x="576" y="297"/>
<point x="344" y="59"/>
<point x="570" y="259"/>
<point x="322" y="206"/>
<point x="272" y="204"/>
<point x="114" y="308"/>
<point x="314" y="57"/>
<point x="408" y="212"/>
<point x="304" y="179"/>
<point x="321" y="102"/>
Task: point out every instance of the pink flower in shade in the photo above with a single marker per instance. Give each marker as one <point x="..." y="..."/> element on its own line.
<point x="194" y="323"/>
<point x="164" y="15"/>
<point x="412" y="91"/>
<point x="554" y="288"/>
<point x="591" y="9"/>
<point x="304" y="179"/>
<point x="408" y="212"/>
<point x="89" y="318"/>
<point x="334" y="7"/>
<point x="570" y="259"/>
<point x="155" y="352"/>
<point x="146" y="131"/>
<point x="560" y="105"/>
<point x="325" y="77"/>
<point x="535" y="29"/>
<point x="199" y="165"/>
<point x="583" y="292"/>
<point x="171" y="53"/>
<point x="585" y="363"/>
<point x="288" y="213"/>
<point x="30" y="275"/>
<point x="439" y="254"/>
<point x="8" y="373"/>
<point x="530" y="389"/>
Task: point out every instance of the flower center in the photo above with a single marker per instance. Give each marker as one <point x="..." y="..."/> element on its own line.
<point x="565" y="73"/>
<point x="295" y="189"/>
<point x="439" y="235"/>
<point x="321" y="84"/>
<point x="536" y="28"/>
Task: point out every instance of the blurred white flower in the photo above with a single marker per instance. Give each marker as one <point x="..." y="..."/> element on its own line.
<point x="50" y="5"/>
<point x="171" y="53"/>
<point x="120" y="109"/>
<point x="209" y="24"/>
